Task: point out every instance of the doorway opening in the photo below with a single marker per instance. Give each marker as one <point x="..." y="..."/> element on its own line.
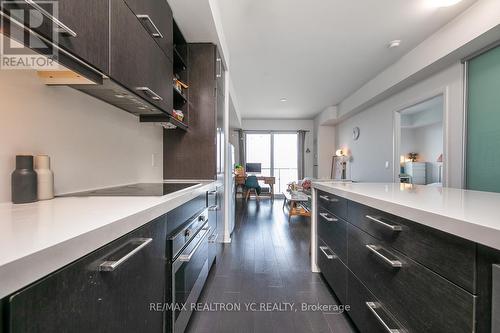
<point x="419" y="143"/>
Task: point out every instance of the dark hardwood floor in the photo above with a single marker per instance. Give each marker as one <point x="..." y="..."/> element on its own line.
<point x="267" y="261"/>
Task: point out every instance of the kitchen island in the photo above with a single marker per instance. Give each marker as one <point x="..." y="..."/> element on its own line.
<point x="391" y="251"/>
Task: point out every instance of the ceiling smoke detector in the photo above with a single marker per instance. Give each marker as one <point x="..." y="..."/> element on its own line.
<point x="393" y="44"/>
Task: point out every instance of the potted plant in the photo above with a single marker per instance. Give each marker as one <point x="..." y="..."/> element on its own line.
<point x="238" y="170"/>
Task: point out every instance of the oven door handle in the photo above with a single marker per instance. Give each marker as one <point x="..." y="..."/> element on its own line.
<point x="187" y="257"/>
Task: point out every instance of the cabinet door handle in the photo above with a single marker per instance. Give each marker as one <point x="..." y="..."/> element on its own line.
<point x="214" y="192"/>
<point x="376" y="250"/>
<point x="109" y="266"/>
<point x="328" y="256"/>
<point x="187" y="257"/>
<point x="213" y="238"/>
<point x="393" y="227"/>
<point x="156" y="33"/>
<point x="150" y="92"/>
<point x="327" y="198"/>
<point x="219" y="61"/>
<point x="62" y="28"/>
<point x="373" y="306"/>
<point x="213" y="208"/>
<point x="326" y="217"/>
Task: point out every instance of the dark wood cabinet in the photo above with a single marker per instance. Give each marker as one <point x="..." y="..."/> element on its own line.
<point x="193" y="154"/>
<point x="366" y="310"/>
<point x="156" y="17"/>
<point x="402" y="274"/>
<point x="334" y="271"/>
<point x="333" y="203"/>
<point x="487" y="257"/>
<point x="94" y="294"/>
<point x="450" y="256"/>
<point x="333" y="231"/>
<point x="136" y="60"/>
<point x="80" y="27"/>
<point x="404" y="286"/>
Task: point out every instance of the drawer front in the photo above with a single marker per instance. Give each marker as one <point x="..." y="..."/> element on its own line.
<point x="333" y="203"/>
<point x="419" y="298"/>
<point x="178" y="216"/>
<point x="83" y="26"/>
<point x="334" y="271"/>
<point x="136" y="60"/>
<point x="87" y="296"/>
<point x="448" y="255"/>
<point x="366" y="311"/>
<point x="333" y="231"/>
<point x="156" y="17"/>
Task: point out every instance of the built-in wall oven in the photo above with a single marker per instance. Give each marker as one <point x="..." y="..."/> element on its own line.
<point x="189" y="265"/>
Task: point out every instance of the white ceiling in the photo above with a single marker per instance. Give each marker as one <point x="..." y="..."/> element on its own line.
<point x="316" y="52"/>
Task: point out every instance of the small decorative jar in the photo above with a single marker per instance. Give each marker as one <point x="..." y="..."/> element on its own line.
<point x="45" y="177"/>
<point x="24" y="180"/>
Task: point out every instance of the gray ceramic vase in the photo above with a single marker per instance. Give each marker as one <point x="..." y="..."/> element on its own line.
<point x="24" y="180"/>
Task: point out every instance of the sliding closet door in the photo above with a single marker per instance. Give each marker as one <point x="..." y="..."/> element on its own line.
<point x="483" y="125"/>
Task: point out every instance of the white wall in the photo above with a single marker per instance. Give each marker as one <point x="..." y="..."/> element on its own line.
<point x="427" y="141"/>
<point x="287" y="125"/>
<point x="92" y="144"/>
<point x="234" y="140"/>
<point x="430" y="143"/>
<point x="375" y="144"/>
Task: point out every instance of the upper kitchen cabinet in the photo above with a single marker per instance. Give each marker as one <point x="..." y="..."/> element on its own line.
<point x="156" y="17"/>
<point x="193" y="154"/>
<point x="79" y="27"/>
<point x="136" y="61"/>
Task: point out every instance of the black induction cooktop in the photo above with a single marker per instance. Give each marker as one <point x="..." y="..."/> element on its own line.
<point x="135" y="190"/>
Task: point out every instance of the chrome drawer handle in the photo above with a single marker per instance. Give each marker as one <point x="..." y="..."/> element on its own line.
<point x="109" y="266"/>
<point x="213" y="238"/>
<point x="63" y="28"/>
<point x="150" y="92"/>
<point x="219" y="60"/>
<point x="328" y="256"/>
<point x="213" y="208"/>
<point x="156" y="33"/>
<point x="327" y="198"/>
<point x="387" y="225"/>
<point x="326" y="217"/>
<point x="373" y="306"/>
<point x="187" y="257"/>
<point x="393" y="263"/>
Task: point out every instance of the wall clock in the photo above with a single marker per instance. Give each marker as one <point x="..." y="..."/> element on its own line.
<point x="355" y="133"/>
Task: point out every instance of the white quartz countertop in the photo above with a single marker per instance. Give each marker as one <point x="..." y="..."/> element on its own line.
<point x="472" y="215"/>
<point x="39" y="238"/>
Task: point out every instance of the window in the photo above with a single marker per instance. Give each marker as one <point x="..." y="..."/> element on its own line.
<point x="259" y="151"/>
<point x="277" y="152"/>
<point x="285" y="160"/>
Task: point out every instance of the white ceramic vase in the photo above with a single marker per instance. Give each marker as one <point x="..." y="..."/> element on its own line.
<point x="45" y="177"/>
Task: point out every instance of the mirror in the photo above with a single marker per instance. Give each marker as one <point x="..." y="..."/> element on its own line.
<point x="419" y="148"/>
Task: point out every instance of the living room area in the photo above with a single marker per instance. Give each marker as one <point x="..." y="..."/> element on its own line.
<point x="275" y="159"/>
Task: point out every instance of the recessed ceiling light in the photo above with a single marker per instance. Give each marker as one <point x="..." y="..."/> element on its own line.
<point x="394" y="43"/>
<point x="283" y="100"/>
<point x="442" y="3"/>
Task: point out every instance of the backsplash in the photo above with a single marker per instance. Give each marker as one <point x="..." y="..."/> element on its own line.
<point x="91" y="144"/>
